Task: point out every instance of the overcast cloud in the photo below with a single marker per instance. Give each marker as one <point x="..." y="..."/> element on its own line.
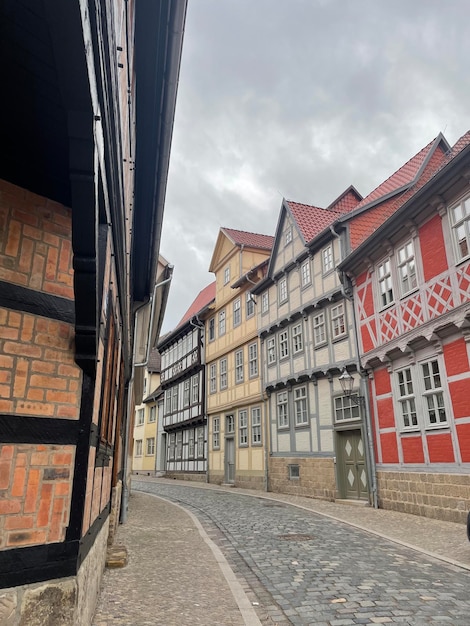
<point x="300" y="99"/>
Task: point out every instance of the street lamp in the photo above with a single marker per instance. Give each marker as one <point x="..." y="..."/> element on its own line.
<point x="347" y="382"/>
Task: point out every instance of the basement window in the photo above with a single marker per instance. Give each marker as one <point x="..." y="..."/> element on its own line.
<point x="294" y="472"/>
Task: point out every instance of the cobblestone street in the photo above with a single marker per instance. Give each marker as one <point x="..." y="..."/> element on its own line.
<point x="298" y="567"/>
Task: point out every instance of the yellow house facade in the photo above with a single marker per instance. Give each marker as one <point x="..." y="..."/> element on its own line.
<point x="146" y="420"/>
<point x="235" y="401"/>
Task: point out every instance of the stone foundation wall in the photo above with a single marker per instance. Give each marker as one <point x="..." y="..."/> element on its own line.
<point x="439" y="496"/>
<point x="116" y="496"/>
<point x="191" y="476"/>
<point x="316" y="477"/>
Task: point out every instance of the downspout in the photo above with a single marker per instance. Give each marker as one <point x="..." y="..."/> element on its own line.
<point x="370" y="457"/>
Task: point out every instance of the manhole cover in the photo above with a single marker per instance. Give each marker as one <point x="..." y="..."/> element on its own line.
<point x="296" y="537"/>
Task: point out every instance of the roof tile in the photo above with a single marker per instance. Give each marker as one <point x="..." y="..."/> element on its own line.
<point x="311" y="220"/>
<point x="253" y="240"/>
<point x="204" y="298"/>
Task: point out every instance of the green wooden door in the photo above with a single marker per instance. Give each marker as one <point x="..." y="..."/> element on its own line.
<point x="352" y="465"/>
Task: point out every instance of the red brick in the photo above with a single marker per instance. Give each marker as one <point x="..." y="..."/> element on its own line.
<point x="59" y="290"/>
<point x="385" y="413"/>
<point x="456" y="357"/>
<point x="441" y="449"/>
<point x="36" y="278"/>
<point x="24" y="217"/>
<point x="19" y="521"/>
<point x="35" y="395"/>
<point x="61" y="397"/>
<point x="19" y="477"/>
<point x="13" y="277"/>
<point x="33" y="233"/>
<point x="26" y="255"/>
<point x="14" y="319"/>
<point x="26" y="538"/>
<point x="48" y="382"/>
<point x="36" y="408"/>
<point x="412" y="449"/>
<point x="43" y="367"/>
<point x="21" y="375"/>
<point x="27" y="329"/>
<point x="9" y="507"/>
<point x="52" y="240"/>
<point x="5" y="474"/>
<point x="45" y="505"/>
<point x="9" y="333"/>
<point x="67" y="412"/>
<point x="61" y="458"/>
<point x="40" y="458"/>
<point x="389" y="447"/>
<point x="62" y="489"/>
<point x="21" y="459"/>
<point x="6" y="406"/>
<point x="68" y="370"/>
<point x="5" y="391"/>
<point x="14" y="235"/>
<point x="32" y="491"/>
<point x="6" y="452"/>
<point x="65" y="256"/>
<point x="22" y="349"/>
<point x="433" y="251"/>
<point x="6" y="361"/>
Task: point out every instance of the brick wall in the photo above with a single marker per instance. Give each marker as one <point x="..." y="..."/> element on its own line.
<point x="35" y="491"/>
<point x="439" y="496"/>
<point x="317" y="477"/>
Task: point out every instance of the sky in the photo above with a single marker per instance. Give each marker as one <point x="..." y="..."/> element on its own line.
<point x="300" y="99"/>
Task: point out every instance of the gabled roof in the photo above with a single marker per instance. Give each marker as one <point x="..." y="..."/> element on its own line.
<point x="347" y="201"/>
<point x="311" y="220"/>
<point x="252" y="240"/>
<point x="406" y="175"/>
<point x="203" y="299"/>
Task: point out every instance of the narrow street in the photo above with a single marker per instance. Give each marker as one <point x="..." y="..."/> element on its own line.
<point x="295" y="566"/>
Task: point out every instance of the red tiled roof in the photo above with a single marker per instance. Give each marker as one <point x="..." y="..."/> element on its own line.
<point x="204" y="298"/>
<point x="311" y="220"/>
<point x="252" y="240"/>
<point x="154" y="361"/>
<point x="402" y="177"/>
<point x="347" y="201"/>
<point x="366" y="223"/>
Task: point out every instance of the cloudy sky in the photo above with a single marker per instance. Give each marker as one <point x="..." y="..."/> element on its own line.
<point x="299" y="99"/>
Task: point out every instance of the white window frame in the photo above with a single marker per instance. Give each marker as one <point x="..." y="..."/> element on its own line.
<point x="239" y="366"/>
<point x="150" y="446"/>
<point x="256" y="434"/>
<point x="297" y="338"/>
<point x="167" y="405"/>
<point x="385" y="283"/>
<point x="253" y="360"/>
<point x="327" y="259"/>
<point x="140" y="417"/>
<point x="230" y="424"/>
<point x="265" y="302"/>
<point x="212" y="329"/>
<point x="338" y="321"/>
<point x="200" y="442"/>
<point x="172" y="447"/>
<point x="346" y="409"/>
<point x="460" y="222"/>
<point x="300" y="406"/>
<point x="406" y="399"/>
<point x="179" y="445"/>
<point x="319" y="329"/>
<point x="282" y="409"/>
<point x="243" y="428"/>
<point x="223" y="373"/>
<point x="138" y="447"/>
<point x="288" y="235"/>
<point x="213" y="378"/>
<point x="195" y="389"/>
<point x="186" y="392"/>
<point x="283" y="344"/>
<point x="174" y="398"/>
<point x="250" y="305"/>
<point x="282" y="290"/>
<point x="191" y="443"/>
<point x="221" y="323"/>
<point x="227" y="275"/>
<point x="406" y="268"/>
<point x="305" y="275"/>
<point x="216" y="433"/>
<point x="237" y="312"/>
<point x="153" y="414"/>
<point x="434" y="394"/>
<point x="271" y="350"/>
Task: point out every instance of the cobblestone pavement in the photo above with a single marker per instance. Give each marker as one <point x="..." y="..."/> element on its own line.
<point x="300" y="567"/>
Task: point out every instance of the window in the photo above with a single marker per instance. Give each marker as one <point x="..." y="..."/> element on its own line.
<point x="282" y="290"/>
<point x="200" y="442"/>
<point x="433" y="394"/>
<point x="186" y="392"/>
<point x="406" y="399"/>
<point x="138" y="447"/>
<point x="253" y="359"/>
<point x="297" y="342"/>
<point x="223" y="373"/>
<point x="230" y="424"/>
<point x="179" y="444"/>
<point x="305" y="273"/>
<point x="191" y="443"/>
<point x="145" y="387"/>
<point x="150" y="446"/>
<point x="216" y="433"/>
<point x="283" y="344"/>
<point x="271" y="348"/>
<point x="385" y="283"/>
<point x="256" y="425"/>
<point x="243" y="428"/>
<point x="212" y="329"/>
<point x="288" y="235"/>
<point x="250" y="305"/>
<point x="264" y="302"/>
<point x="167" y="401"/>
<point x="294" y="472"/>
<point x="327" y="259"/>
<point x="153" y="414"/>
<point x="174" y="398"/>
<point x="213" y="378"/>
<point x="346" y="409"/>
<point x="319" y="329"/>
<point x="282" y="414"/>
<point x="140" y="417"/>
<point x="407" y="268"/>
<point x="460" y="216"/>
<point x="172" y="447"/>
<point x="300" y="405"/>
<point x="239" y="366"/>
<point x="221" y="323"/>
<point x="227" y="275"/>
<point x="195" y="389"/>
<point x="237" y="314"/>
<point x="338" y="324"/>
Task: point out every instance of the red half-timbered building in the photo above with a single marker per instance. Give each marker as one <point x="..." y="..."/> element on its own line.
<point x="411" y="286"/>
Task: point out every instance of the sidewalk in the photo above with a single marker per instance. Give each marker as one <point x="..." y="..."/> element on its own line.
<point x="170" y="590"/>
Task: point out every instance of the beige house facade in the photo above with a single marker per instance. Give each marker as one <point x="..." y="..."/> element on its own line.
<point x="235" y="399"/>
